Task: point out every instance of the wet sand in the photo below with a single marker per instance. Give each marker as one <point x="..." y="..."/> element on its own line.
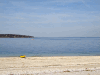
<point x="58" y="65"/>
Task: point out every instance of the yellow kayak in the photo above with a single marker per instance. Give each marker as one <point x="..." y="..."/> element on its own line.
<point x="22" y="56"/>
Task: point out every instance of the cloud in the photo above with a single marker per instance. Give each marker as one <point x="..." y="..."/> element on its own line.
<point x="85" y="4"/>
<point x="48" y="20"/>
<point x="67" y="1"/>
<point x="58" y="2"/>
<point x="12" y="17"/>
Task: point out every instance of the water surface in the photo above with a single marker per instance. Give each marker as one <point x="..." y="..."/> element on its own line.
<point x="50" y="46"/>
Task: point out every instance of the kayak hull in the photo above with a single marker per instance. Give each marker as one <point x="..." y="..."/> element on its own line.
<point x="23" y="56"/>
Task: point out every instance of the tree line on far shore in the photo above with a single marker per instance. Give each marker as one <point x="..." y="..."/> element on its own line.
<point x="15" y="36"/>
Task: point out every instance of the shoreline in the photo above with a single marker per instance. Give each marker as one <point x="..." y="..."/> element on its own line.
<point x="51" y="55"/>
<point x="50" y="65"/>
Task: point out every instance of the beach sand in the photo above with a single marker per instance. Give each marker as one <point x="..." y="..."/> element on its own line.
<point x="56" y="65"/>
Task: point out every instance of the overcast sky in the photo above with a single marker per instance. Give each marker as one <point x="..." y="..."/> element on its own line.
<point x="50" y="18"/>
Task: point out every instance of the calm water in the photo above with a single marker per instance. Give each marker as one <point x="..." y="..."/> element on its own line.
<point x="49" y="46"/>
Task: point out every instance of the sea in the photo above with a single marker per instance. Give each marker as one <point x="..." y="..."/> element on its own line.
<point x="50" y="46"/>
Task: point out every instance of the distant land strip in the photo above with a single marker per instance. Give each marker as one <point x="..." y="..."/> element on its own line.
<point x="15" y="36"/>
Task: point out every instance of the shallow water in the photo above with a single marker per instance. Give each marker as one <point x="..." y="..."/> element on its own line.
<point x="50" y="46"/>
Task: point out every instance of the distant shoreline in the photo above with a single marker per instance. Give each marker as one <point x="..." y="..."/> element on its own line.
<point x="15" y="36"/>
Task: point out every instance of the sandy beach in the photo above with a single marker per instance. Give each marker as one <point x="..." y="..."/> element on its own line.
<point x="58" y="65"/>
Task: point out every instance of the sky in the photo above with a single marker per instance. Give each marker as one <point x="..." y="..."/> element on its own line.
<point x="50" y="18"/>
